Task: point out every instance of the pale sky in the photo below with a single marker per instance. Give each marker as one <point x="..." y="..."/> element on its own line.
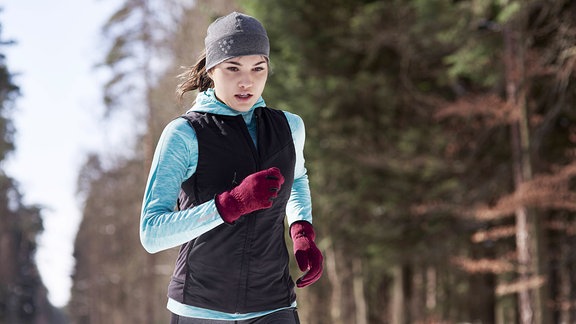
<point x="58" y="118"/>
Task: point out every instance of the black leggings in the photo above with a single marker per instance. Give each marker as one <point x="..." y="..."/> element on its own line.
<point x="285" y="316"/>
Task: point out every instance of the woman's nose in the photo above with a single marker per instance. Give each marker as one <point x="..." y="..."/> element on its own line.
<point x="245" y="81"/>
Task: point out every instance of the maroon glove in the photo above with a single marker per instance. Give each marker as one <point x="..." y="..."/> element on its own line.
<point x="255" y="192"/>
<point x="308" y="257"/>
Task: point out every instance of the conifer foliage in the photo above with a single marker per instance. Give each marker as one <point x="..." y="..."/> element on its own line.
<point x="23" y="297"/>
<point x="440" y="150"/>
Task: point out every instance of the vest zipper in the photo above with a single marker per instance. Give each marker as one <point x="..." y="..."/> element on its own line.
<point x="245" y="265"/>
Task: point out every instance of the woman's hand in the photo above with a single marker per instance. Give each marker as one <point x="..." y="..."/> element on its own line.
<point x="308" y="256"/>
<point x="256" y="191"/>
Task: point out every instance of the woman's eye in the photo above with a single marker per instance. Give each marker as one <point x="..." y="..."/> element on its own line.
<point x="258" y="69"/>
<point x="232" y="68"/>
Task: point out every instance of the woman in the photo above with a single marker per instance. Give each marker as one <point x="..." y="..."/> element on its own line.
<point x="234" y="169"/>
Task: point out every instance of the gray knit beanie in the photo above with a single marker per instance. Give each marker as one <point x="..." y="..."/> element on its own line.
<point x="235" y="35"/>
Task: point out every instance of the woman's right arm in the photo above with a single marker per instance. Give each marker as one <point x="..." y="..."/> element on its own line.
<point x="174" y="161"/>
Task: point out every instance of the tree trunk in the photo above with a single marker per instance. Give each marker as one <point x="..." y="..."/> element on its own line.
<point x="528" y="239"/>
<point x="564" y="287"/>
<point x="335" y="283"/>
<point x="399" y="296"/>
<point x="431" y="289"/>
<point x="348" y="302"/>
<point x="150" y="276"/>
<point x="359" y="296"/>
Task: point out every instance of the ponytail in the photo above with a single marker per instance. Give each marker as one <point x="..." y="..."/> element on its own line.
<point x="194" y="78"/>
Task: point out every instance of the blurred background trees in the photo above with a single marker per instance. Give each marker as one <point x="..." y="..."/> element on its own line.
<point x="440" y="148"/>
<point x="23" y="297"/>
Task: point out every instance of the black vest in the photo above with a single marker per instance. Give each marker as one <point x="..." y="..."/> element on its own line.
<point x="242" y="267"/>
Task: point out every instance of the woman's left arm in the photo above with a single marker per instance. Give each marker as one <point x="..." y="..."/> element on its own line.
<point x="299" y="206"/>
<point x="299" y="213"/>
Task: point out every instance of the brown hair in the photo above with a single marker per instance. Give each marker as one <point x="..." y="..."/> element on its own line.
<point x="194" y="78"/>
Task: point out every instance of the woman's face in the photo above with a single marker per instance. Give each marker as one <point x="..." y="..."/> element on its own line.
<point x="240" y="81"/>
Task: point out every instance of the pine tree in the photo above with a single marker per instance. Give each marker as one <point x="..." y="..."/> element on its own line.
<point x="23" y="297"/>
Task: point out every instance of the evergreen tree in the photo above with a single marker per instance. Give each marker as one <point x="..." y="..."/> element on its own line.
<point x="414" y="138"/>
<point x="362" y="76"/>
<point x="395" y="166"/>
<point x="23" y="297"/>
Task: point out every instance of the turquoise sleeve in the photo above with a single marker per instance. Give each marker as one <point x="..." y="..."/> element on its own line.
<point x="300" y="203"/>
<point x="175" y="160"/>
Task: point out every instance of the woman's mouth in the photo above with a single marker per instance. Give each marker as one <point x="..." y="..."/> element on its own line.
<point x="243" y="97"/>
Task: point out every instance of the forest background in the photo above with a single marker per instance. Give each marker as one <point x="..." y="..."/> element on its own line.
<point x="441" y="141"/>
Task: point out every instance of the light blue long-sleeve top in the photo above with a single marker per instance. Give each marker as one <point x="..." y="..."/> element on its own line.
<point x="175" y="160"/>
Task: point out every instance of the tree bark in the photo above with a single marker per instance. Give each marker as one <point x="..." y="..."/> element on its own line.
<point x="564" y="287"/>
<point x="150" y="276"/>
<point x="335" y="283"/>
<point x="359" y="296"/>
<point x="532" y="308"/>
<point x="398" y="307"/>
